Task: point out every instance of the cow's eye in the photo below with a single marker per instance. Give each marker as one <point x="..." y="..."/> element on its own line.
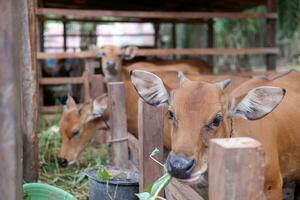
<point x="75" y="134"/>
<point x="170" y="114"/>
<point x="217" y="120"/>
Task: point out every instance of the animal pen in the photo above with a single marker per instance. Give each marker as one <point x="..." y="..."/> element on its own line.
<point x="19" y="114"/>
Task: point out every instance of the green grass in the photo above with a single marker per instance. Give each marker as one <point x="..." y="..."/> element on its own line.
<point x="70" y="179"/>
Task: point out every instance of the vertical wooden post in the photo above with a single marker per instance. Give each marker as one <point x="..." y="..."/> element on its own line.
<point x="156" y="34"/>
<point x="210" y="40"/>
<point x="86" y="87"/>
<point x="150" y="128"/>
<point x="236" y="169"/>
<point x="97" y="85"/>
<point x="270" y="37"/>
<point x="119" y="148"/>
<point x="65" y="35"/>
<point x="30" y="101"/>
<point x="13" y="48"/>
<point x="174" y="35"/>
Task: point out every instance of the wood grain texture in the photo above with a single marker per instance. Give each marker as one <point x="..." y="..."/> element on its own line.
<point x="97" y="85"/>
<point x="154" y="14"/>
<point x="166" y="52"/>
<point x="30" y="99"/>
<point x="118" y="123"/>
<point x="236" y="169"/>
<point x="150" y="128"/>
<point x="178" y="191"/>
<point x="13" y="49"/>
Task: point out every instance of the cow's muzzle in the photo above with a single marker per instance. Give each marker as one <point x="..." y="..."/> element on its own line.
<point x="111" y="66"/>
<point x="180" y="167"/>
<point x="62" y="162"/>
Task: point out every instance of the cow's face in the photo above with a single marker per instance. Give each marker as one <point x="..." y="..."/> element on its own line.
<point x="78" y="125"/>
<point x="111" y="61"/>
<point x="200" y="111"/>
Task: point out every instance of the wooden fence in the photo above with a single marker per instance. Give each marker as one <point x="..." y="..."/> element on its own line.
<point x="236" y="165"/>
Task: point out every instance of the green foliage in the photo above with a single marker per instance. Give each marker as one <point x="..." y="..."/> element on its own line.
<point x="157" y="186"/>
<point x="289" y="17"/>
<point x="102" y="173"/>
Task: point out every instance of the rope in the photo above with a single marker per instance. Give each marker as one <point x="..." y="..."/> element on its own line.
<point x="118" y="140"/>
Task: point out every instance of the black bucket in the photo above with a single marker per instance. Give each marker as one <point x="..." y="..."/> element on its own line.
<point x="115" y="189"/>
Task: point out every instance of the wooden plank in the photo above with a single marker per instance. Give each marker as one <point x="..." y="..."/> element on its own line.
<point x="167" y="52"/>
<point x="86" y="87"/>
<point x="13" y="50"/>
<point x="121" y="20"/>
<point x="30" y="101"/>
<point x="210" y="40"/>
<point x="270" y="35"/>
<point x="178" y="191"/>
<point x="150" y="129"/>
<point x="133" y="145"/>
<point x="154" y="14"/>
<point x="97" y="85"/>
<point x="61" y="80"/>
<point x="236" y="169"/>
<point x="118" y="121"/>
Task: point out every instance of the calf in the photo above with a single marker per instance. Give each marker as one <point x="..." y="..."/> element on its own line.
<point x="266" y="110"/>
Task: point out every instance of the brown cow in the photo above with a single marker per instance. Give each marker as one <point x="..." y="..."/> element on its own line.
<point x="76" y="121"/>
<point x="112" y="66"/>
<point x="266" y="110"/>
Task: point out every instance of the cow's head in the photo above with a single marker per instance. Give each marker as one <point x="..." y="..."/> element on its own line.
<point x="78" y="125"/>
<point x="200" y="111"/>
<point x="111" y="60"/>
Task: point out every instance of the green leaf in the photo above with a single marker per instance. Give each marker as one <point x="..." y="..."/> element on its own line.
<point x="143" y="196"/>
<point x="159" y="184"/>
<point x="155" y="152"/>
<point x="148" y="187"/>
<point x="105" y="175"/>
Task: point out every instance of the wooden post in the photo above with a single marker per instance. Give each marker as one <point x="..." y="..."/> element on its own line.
<point x="13" y="51"/>
<point x="65" y="36"/>
<point x="30" y="101"/>
<point x="150" y="128"/>
<point x="270" y="37"/>
<point x="97" y="85"/>
<point x="178" y="191"/>
<point x="236" y="169"/>
<point x="86" y="87"/>
<point x="210" y="40"/>
<point x="116" y="99"/>
<point x="156" y="34"/>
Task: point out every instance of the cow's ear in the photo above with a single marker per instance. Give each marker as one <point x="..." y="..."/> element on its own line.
<point x="99" y="105"/>
<point x="149" y="87"/>
<point x="70" y="104"/>
<point x="257" y="103"/>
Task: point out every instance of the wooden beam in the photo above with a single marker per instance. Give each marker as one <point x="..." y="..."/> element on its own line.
<point x="150" y="131"/>
<point x="116" y="99"/>
<point x="270" y="35"/>
<point x="166" y="52"/>
<point x="236" y="169"/>
<point x="13" y="51"/>
<point x="121" y="20"/>
<point x="154" y="14"/>
<point x="62" y="80"/>
<point x="30" y="101"/>
<point x="178" y="191"/>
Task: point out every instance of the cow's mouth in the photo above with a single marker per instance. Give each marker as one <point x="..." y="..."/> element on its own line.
<point x="196" y="176"/>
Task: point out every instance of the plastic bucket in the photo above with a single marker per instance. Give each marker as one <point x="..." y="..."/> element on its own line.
<point x="40" y="191"/>
<point x="112" y="189"/>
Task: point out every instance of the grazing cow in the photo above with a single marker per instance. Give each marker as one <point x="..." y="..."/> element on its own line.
<point x="266" y="110"/>
<point x="78" y="125"/>
<point x="111" y="62"/>
<point x="77" y="129"/>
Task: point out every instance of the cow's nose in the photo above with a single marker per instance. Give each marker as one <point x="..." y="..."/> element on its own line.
<point x="111" y="65"/>
<point x="180" y="167"/>
<point x="62" y="162"/>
